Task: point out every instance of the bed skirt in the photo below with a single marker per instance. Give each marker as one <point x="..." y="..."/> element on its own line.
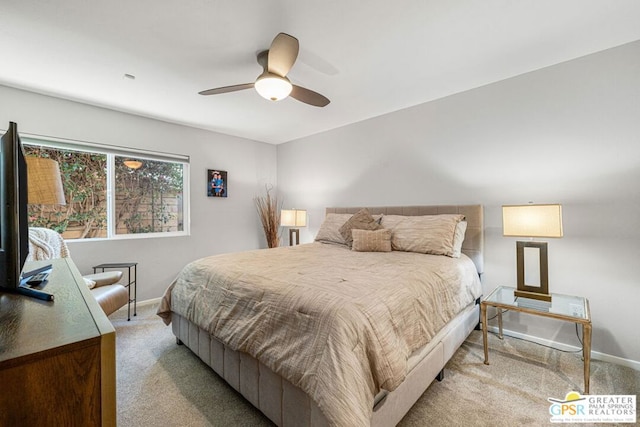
<point x="287" y="405"/>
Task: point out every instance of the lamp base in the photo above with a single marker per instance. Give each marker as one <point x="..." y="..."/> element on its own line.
<point x="293" y="231"/>
<point x="532" y="295"/>
<point x="541" y="292"/>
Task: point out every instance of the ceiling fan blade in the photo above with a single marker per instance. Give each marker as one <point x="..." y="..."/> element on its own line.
<point x="226" y="89"/>
<point x="309" y="97"/>
<point x="282" y="54"/>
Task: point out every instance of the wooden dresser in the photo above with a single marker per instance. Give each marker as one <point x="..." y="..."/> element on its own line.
<point x="57" y="359"/>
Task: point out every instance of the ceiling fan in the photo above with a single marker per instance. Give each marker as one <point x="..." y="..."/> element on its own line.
<point x="273" y="83"/>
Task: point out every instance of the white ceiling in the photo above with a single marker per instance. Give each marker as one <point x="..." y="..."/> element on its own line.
<point x="368" y="57"/>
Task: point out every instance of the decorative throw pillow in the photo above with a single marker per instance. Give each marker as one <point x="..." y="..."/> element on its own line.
<point x="330" y="229"/>
<point x="90" y="283"/>
<point x="361" y="220"/>
<point x="371" y="240"/>
<point x="427" y="234"/>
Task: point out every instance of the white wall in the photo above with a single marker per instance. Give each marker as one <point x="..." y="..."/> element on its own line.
<point x="217" y="225"/>
<point x="568" y="134"/>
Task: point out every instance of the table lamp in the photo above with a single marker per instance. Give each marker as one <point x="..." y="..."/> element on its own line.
<point x="532" y="221"/>
<point x="293" y="218"/>
<point x="44" y="182"/>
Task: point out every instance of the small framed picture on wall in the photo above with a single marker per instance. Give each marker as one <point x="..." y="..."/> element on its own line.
<point x="217" y="183"/>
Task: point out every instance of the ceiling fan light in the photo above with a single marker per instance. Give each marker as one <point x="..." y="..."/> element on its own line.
<point x="272" y="87"/>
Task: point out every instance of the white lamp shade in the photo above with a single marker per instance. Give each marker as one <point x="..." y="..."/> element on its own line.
<point x="272" y="87"/>
<point x="293" y="218"/>
<point x="532" y="220"/>
<point x="44" y="182"/>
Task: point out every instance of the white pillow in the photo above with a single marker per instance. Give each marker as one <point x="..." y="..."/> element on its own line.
<point x="90" y="283"/>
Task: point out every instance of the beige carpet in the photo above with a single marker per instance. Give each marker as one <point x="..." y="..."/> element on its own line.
<point x="161" y="383"/>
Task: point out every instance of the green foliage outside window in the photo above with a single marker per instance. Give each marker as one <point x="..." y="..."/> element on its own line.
<point x="147" y="199"/>
<point x="85" y="186"/>
<point x="144" y="197"/>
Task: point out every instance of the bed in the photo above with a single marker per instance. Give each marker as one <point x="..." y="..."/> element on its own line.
<point x="326" y="333"/>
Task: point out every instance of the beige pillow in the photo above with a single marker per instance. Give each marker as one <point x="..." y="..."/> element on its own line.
<point x="330" y="229"/>
<point x="458" y="238"/>
<point x="371" y="240"/>
<point x="427" y="234"/>
<point x="361" y="220"/>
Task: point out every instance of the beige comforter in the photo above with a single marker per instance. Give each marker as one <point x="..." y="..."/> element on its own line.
<point x="338" y="324"/>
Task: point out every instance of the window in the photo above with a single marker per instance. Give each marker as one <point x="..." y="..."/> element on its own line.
<point x="148" y="196"/>
<point x="113" y="193"/>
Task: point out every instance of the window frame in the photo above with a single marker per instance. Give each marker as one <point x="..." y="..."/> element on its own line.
<point x="111" y="152"/>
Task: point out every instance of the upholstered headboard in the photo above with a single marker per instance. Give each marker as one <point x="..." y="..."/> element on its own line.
<point x="473" y="244"/>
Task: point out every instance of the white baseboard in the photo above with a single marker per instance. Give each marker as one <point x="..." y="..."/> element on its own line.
<point x="143" y="303"/>
<point x="150" y="301"/>
<point x="633" y="364"/>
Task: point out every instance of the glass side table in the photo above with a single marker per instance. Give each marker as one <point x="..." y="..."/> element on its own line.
<point x="132" y="280"/>
<point x="563" y="307"/>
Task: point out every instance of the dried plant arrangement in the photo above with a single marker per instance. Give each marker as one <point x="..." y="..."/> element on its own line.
<point x="269" y="207"/>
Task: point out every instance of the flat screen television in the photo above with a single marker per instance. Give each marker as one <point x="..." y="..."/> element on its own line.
<point x="14" y="222"/>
